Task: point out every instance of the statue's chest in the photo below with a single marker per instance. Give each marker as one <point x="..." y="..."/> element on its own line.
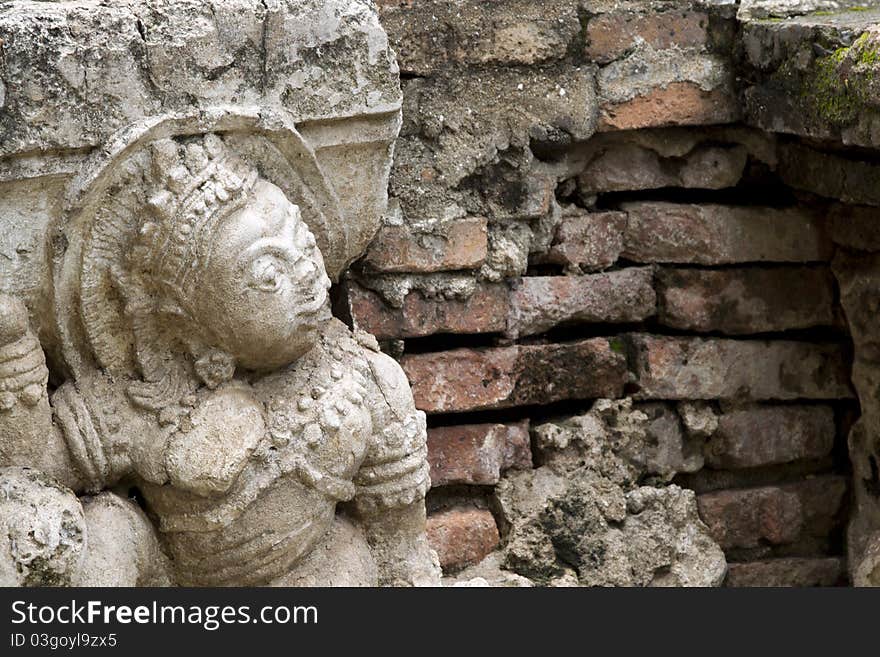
<point x="317" y="417"/>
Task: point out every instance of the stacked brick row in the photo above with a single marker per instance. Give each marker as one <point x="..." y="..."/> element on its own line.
<point x="706" y="321"/>
<point x="561" y="235"/>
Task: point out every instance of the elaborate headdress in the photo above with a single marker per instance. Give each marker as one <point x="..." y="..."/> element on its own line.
<point x="192" y="187"/>
<point x="146" y="204"/>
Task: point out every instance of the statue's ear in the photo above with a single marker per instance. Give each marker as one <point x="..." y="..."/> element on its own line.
<point x="137" y="302"/>
<point x="121" y="282"/>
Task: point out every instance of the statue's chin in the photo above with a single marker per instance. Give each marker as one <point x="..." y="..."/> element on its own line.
<point x="288" y="351"/>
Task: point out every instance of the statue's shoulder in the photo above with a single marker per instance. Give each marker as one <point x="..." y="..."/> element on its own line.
<point x="388" y="379"/>
<point x="350" y="349"/>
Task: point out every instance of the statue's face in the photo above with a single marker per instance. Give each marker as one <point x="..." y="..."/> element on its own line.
<point x="264" y="291"/>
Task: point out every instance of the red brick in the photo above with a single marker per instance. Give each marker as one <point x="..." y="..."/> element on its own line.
<point x="474" y="379"/>
<point x="589" y="241"/>
<point x="742" y="301"/>
<point x="698" y="368"/>
<point x="485" y="311"/>
<point x="778" y="515"/>
<point x="828" y="174"/>
<point x="768" y="435"/>
<point x="629" y="166"/>
<point x="674" y="104"/>
<point x="477" y="453"/>
<point x="398" y="249"/>
<point x="800" y="572"/>
<point x="462" y="536"/>
<point x="538" y="303"/>
<point x="718" y="234"/>
<point x="609" y="36"/>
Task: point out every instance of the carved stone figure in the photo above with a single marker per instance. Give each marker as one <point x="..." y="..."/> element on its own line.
<point x="194" y="357"/>
<point x="224" y="389"/>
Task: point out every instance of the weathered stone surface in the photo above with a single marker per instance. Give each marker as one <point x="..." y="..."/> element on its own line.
<point x="777" y="515"/>
<point x="462" y="536"/>
<point x="632" y="166"/>
<point x="675" y="144"/>
<point x="489" y="572"/>
<point x="827" y="174"/>
<point x="742" y="301"/>
<point x="815" y="75"/>
<point x="42" y="530"/>
<point x="856" y="227"/>
<point x="538" y="303"/>
<point x="767" y="435"/>
<point x="611" y="35"/>
<point x="670" y="450"/>
<point x="473" y="379"/>
<point x="581" y="517"/>
<point x="430" y="35"/>
<point x="799" y="572"/>
<point x="197" y="173"/>
<point x="394" y="288"/>
<point x="465" y="146"/>
<point x="483" y="311"/>
<point x="698" y="418"/>
<point x="717" y="234"/>
<point x="501" y="108"/>
<point x="764" y="9"/>
<point x="587" y="241"/>
<point x="867" y="571"/>
<point x="51" y="538"/>
<point x="697" y="368"/>
<point x="612" y="438"/>
<point x="461" y="245"/>
<point x="73" y="74"/>
<point x="652" y="88"/>
<point x="509" y="248"/>
<point x="859" y="277"/>
<point x="477" y="453"/>
<point x="112" y="521"/>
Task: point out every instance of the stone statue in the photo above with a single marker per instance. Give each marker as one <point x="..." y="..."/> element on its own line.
<point x="166" y="335"/>
<point x="271" y="444"/>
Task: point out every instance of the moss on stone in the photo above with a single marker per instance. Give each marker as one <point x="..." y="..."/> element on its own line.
<point x="843" y="10"/>
<point x="829" y="94"/>
<point x="866" y="53"/>
<point x="831" y="89"/>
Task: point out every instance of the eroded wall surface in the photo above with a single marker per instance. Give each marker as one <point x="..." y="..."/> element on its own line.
<point x="629" y="266"/>
<point x="673" y="202"/>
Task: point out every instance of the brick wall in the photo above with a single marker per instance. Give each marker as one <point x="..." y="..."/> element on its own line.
<point x="577" y="214"/>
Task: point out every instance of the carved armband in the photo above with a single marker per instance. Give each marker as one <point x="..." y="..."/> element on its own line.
<point x="23" y="373"/>
<point x="395" y="473"/>
<point x="85" y="431"/>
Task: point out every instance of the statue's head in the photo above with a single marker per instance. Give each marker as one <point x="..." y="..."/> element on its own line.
<point x="228" y="258"/>
<point x="263" y="291"/>
<point x="198" y="247"/>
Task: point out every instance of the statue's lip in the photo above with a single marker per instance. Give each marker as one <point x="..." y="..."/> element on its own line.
<point x="312" y="307"/>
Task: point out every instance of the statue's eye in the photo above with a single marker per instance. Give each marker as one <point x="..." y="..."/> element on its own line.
<point x="267" y="274"/>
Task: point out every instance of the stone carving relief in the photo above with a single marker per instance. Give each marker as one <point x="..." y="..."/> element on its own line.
<point x="270" y="443"/>
<point x="171" y="335"/>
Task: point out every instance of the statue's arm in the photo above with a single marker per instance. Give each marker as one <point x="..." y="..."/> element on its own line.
<point x="391" y="485"/>
<point x="28" y="435"/>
